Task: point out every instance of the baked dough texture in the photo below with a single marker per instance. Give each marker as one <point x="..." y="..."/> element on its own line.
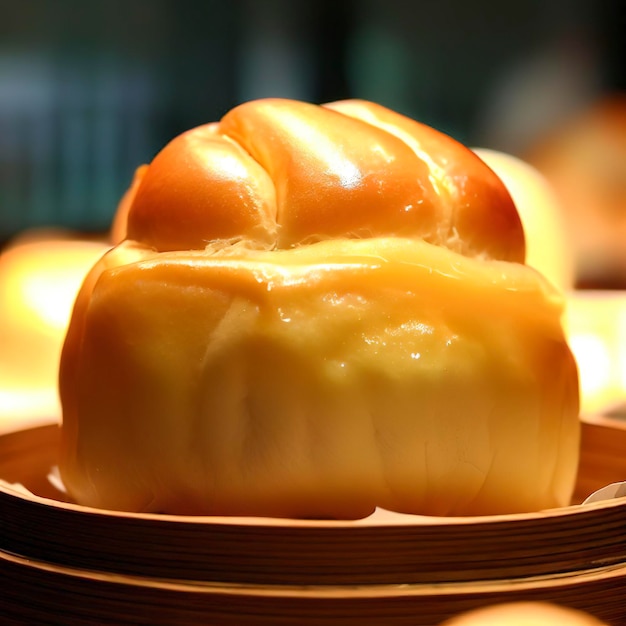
<point x="314" y="311"/>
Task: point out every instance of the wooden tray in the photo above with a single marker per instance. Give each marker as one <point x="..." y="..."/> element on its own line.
<point x="60" y="561"/>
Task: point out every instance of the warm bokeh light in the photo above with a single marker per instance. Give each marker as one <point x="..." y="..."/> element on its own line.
<point x="594" y="362"/>
<point x="596" y="326"/>
<point x="40" y="274"/>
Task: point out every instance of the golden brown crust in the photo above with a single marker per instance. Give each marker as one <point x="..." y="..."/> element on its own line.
<point x="120" y="219"/>
<point x="471" y="198"/>
<point x="199" y="188"/>
<point x="281" y="173"/>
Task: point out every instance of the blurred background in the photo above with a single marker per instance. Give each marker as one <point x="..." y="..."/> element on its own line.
<point x="91" y="89"/>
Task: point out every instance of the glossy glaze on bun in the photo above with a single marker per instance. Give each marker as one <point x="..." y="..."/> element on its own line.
<point x="280" y="174"/>
<point x="315" y="311"/>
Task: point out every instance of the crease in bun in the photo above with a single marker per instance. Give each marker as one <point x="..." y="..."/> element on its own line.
<point x="284" y="174"/>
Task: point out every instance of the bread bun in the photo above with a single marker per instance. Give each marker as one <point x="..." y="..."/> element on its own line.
<point x="524" y="614"/>
<point x="318" y="310"/>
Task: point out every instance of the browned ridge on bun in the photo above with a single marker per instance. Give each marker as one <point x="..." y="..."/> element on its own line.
<point x="281" y="174"/>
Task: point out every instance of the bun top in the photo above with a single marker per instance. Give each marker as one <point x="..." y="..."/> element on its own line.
<point x="277" y="173"/>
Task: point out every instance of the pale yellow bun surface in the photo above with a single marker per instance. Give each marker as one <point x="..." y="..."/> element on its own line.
<point x="315" y="313"/>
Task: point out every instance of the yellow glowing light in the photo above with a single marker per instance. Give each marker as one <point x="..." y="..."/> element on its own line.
<point x="594" y="362"/>
<point x="23" y="408"/>
<point x="49" y="292"/>
<point x="39" y="279"/>
<point x="622" y="370"/>
<point x="596" y="325"/>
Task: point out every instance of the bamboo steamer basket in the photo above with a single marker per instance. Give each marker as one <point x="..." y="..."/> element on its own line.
<point x="64" y="563"/>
